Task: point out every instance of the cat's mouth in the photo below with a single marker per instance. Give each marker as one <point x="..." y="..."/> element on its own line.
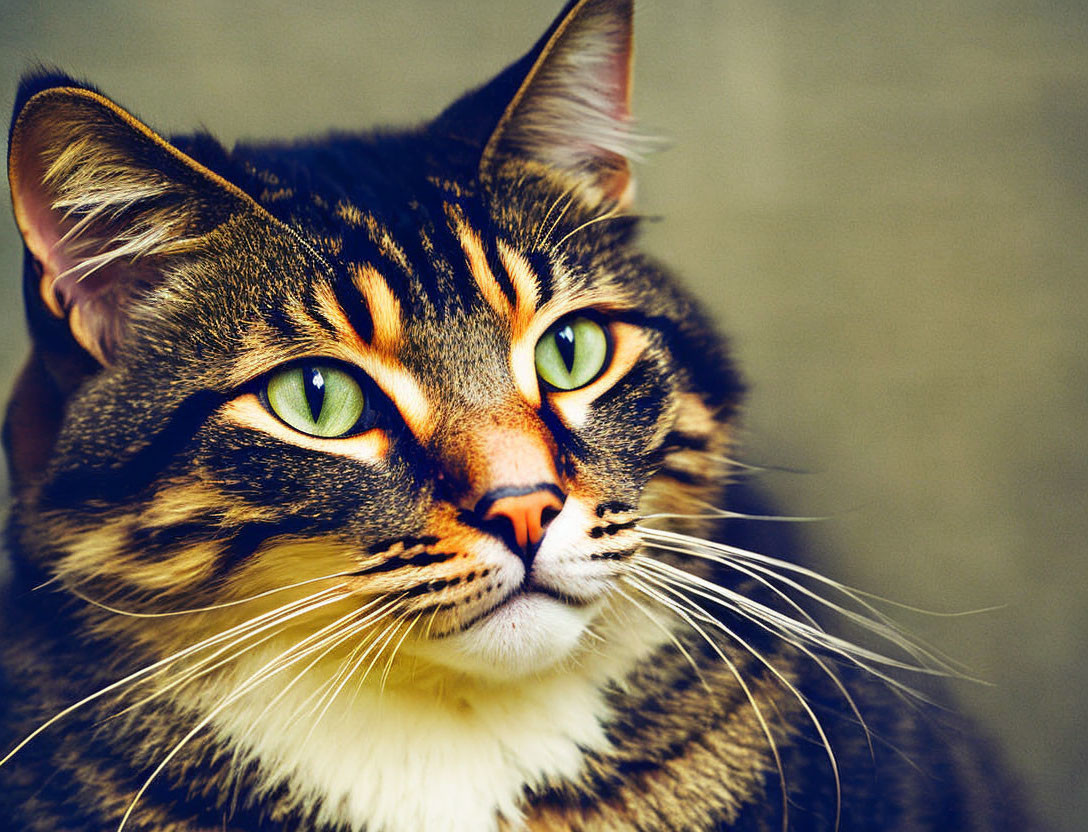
<point x="532" y="610"/>
<point x="531" y="584"/>
<point x="529" y="589"/>
<point x="529" y="629"/>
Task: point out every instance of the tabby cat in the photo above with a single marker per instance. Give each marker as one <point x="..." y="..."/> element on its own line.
<point x="373" y="483"/>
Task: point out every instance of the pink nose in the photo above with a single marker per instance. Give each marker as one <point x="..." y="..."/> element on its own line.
<point x="528" y="513"/>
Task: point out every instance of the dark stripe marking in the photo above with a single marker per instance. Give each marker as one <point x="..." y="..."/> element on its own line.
<point x="252" y="537"/>
<point x="157" y="536"/>
<point x="682" y="476"/>
<point x="542" y="269"/>
<point x="498" y="271"/>
<point x="399" y="561"/>
<point x="677" y="439"/>
<point x="620" y="555"/>
<point x="611" y="529"/>
<point x="442" y="583"/>
<point x="277" y="318"/>
<point x="313" y="307"/>
<point x="613" y="507"/>
<point x="353" y="306"/>
<point x="406" y="542"/>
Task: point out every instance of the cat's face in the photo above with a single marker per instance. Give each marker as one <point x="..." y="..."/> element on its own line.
<point x="355" y="377"/>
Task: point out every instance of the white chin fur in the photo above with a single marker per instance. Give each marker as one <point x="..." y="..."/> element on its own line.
<point x="453" y="757"/>
<point x="528" y="634"/>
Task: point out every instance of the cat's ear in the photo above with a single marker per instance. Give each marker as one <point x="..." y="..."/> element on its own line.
<point x="103" y="203"/>
<point x="571" y="111"/>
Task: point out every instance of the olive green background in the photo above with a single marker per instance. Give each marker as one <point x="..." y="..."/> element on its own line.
<point x="885" y="204"/>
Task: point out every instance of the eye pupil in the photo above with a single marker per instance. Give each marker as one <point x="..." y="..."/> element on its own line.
<point x="315" y="391"/>
<point x="564" y="341"/>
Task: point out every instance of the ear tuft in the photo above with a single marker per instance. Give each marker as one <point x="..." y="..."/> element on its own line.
<point x="100" y="200"/>
<point x="572" y="111"/>
<point x="99" y="206"/>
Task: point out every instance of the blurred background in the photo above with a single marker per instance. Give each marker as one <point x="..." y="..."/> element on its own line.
<point x="884" y="203"/>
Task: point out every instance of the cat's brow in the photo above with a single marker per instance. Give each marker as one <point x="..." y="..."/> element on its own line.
<point x="332" y="312"/>
<point x="526" y="286"/>
<point x="378" y="233"/>
<point x="478" y="267"/>
<point x="385" y="310"/>
<point x="517" y="304"/>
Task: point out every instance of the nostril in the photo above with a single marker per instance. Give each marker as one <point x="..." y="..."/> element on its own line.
<point x="549" y="514"/>
<point x="507" y="531"/>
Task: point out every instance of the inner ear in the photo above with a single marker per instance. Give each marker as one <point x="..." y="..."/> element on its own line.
<point x="103" y="203"/>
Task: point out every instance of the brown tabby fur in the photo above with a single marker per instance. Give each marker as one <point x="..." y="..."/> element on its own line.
<point x="167" y="280"/>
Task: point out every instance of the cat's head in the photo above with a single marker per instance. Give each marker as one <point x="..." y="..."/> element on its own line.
<point x="423" y="377"/>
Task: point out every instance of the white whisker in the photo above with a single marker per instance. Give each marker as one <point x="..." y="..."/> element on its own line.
<point x="257" y="624"/>
<point x="610" y="215"/>
<point x="670" y="604"/>
<point x="782" y="626"/>
<point x="791" y="688"/>
<point x="211" y="608"/>
<point x="713" y="513"/>
<point x="876" y="622"/>
<point x="332" y="688"/>
<point x="540" y="235"/>
<point x="758" y="469"/>
<point x="672" y="637"/>
<point x="393" y="652"/>
<point x="269" y="670"/>
<point x="199" y="670"/>
<point x="678" y="576"/>
<point x="353" y="628"/>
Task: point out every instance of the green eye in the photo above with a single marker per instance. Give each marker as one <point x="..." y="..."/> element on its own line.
<point x="572" y="353"/>
<point x="317" y="399"/>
